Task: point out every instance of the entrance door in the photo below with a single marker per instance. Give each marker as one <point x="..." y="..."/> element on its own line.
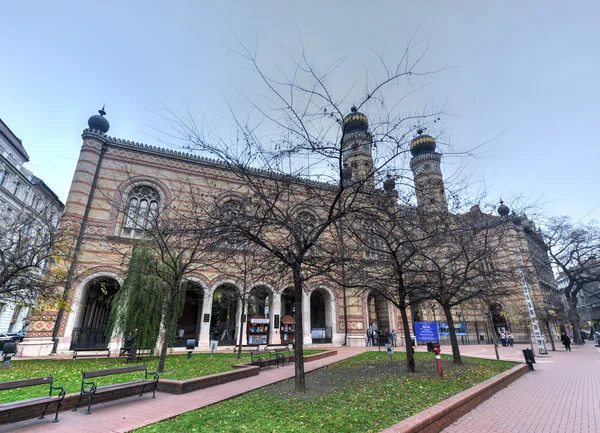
<point x="93" y="331"/>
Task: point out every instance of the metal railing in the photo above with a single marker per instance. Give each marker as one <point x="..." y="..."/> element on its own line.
<point x="89" y="338"/>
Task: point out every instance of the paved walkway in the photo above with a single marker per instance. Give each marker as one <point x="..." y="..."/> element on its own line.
<point x="134" y="412"/>
<point x="562" y="395"/>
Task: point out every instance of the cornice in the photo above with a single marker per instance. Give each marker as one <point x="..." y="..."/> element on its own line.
<point x="188" y="157"/>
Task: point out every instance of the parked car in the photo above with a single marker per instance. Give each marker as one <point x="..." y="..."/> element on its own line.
<point x="13" y="336"/>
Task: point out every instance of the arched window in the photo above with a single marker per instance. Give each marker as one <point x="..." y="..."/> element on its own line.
<point x="306" y="222"/>
<point x="142" y="208"/>
<point x="229" y="234"/>
<point x="375" y="244"/>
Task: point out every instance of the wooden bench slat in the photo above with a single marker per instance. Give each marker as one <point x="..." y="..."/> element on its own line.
<point x="110" y="371"/>
<point x="26" y="382"/>
<point x="123" y="385"/>
<point x="25" y="403"/>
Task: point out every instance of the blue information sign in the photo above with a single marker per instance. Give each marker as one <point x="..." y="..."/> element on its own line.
<point x="460" y="328"/>
<point x="426" y="331"/>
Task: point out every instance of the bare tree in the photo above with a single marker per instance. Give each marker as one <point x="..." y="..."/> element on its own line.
<point x="287" y="159"/>
<point x="384" y="241"/>
<point x="466" y="258"/>
<point x="574" y="251"/>
<point x="179" y="234"/>
<point x="247" y="264"/>
<point x="33" y="252"/>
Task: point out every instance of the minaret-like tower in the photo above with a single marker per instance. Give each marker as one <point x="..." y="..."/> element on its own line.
<point x="429" y="182"/>
<point x="357" y="144"/>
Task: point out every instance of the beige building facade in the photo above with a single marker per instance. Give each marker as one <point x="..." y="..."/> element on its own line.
<point x="117" y="180"/>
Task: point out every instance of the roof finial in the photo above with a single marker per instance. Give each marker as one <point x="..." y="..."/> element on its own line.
<point x="354" y="109"/>
<point x="101" y="111"/>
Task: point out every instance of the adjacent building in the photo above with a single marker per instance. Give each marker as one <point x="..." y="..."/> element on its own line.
<point x="20" y="193"/>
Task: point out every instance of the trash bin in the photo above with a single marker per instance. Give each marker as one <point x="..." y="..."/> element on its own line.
<point x="529" y="357"/>
<point x="412" y="341"/>
<point x="430" y="347"/>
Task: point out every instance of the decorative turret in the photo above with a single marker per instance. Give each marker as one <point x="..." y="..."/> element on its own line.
<point x="357" y="144"/>
<point x="389" y="185"/>
<point x="425" y="164"/>
<point x="503" y="210"/>
<point x="99" y="122"/>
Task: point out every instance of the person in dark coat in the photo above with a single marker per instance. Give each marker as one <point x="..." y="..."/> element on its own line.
<point x="566" y="341"/>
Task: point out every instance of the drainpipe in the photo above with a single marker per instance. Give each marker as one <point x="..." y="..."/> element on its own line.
<point x="77" y="248"/>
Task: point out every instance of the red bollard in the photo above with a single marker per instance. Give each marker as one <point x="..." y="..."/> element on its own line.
<point x="438" y="360"/>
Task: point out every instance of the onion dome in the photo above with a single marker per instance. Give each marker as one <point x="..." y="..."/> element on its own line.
<point x="389" y="184"/>
<point x="503" y="210"/>
<point x="422" y="143"/>
<point x="99" y="122"/>
<point x="355" y="122"/>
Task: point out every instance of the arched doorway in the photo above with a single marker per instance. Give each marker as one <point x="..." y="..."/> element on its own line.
<point x="259" y="309"/>
<point x="288" y="313"/>
<point x="378" y="313"/>
<point x="320" y="317"/>
<point x="498" y="319"/>
<point x="188" y="325"/>
<point x="223" y="315"/>
<point x="92" y="331"/>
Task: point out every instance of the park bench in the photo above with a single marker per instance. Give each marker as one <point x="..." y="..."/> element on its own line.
<point x="247" y="348"/>
<point x="137" y="356"/>
<point x="90" y="353"/>
<point x="11" y="407"/>
<point x="90" y="390"/>
<point x="264" y="358"/>
<point x="284" y="354"/>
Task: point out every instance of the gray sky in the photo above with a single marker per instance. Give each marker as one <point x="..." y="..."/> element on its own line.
<point x="525" y="70"/>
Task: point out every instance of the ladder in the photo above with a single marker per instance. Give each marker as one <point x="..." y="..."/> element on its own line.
<point x="539" y="338"/>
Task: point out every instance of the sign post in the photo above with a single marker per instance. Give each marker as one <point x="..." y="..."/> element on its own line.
<point x="426" y="331"/>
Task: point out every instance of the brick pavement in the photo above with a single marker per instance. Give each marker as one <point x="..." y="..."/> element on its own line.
<point x="561" y="396"/>
<point x="134" y="412"/>
<point x="558" y="397"/>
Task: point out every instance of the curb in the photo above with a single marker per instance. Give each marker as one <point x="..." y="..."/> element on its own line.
<point x="436" y="418"/>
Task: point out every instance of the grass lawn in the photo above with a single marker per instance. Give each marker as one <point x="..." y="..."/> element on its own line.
<point x="67" y="372"/>
<point x="366" y="393"/>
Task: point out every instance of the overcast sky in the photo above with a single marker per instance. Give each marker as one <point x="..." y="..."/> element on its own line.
<point x="523" y="73"/>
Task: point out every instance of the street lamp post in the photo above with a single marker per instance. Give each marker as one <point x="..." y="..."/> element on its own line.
<point x="462" y="337"/>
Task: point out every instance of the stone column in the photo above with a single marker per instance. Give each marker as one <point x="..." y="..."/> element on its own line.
<point x="275" y="334"/>
<point x="244" y="329"/>
<point x="306" y="318"/>
<point x="204" y="337"/>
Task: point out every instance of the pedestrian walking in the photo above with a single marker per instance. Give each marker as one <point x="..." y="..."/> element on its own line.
<point x="370" y="335"/>
<point x="214" y="342"/>
<point x="394" y="337"/>
<point x="510" y="339"/>
<point x="503" y="338"/>
<point x="566" y="341"/>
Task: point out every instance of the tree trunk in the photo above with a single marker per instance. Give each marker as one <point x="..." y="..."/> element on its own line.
<point x="240" y="332"/>
<point x="494" y="340"/>
<point x="453" y="340"/>
<point x="550" y="336"/>
<point x="167" y="335"/>
<point x="299" y="379"/>
<point x="575" y="320"/>
<point x="410" y="351"/>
